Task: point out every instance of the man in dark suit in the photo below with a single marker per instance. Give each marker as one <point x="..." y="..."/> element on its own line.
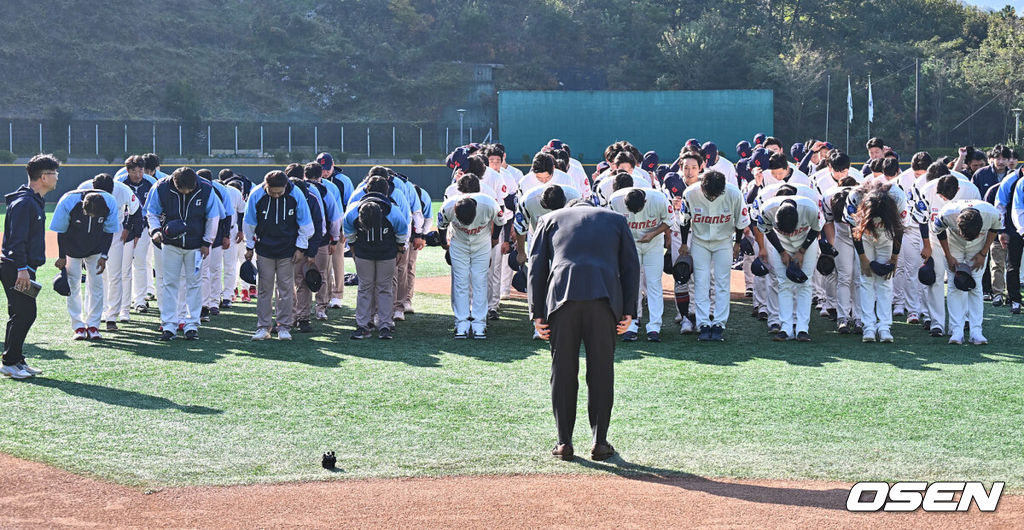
<point x="583" y="274"/>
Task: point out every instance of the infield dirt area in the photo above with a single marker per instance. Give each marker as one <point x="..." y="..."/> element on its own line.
<point x="38" y="496"/>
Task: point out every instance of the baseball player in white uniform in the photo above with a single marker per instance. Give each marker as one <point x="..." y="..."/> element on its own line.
<point x="939" y="188"/>
<point x="118" y="300"/>
<point x="965" y="230"/>
<point x="472" y="216"/>
<point x="790" y="225"/>
<point x="649" y="215"/>
<point x="907" y="289"/>
<point x="715" y="216"/>
<point x="841" y="287"/>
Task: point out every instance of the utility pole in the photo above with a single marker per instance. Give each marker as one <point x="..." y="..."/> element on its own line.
<point x="828" y="102"/>
<point x="1016" y="126"/>
<point x="917" y="107"/>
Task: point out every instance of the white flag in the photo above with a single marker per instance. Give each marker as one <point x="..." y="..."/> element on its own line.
<point x="871" y="103"/>
<point x="849" y="101"/>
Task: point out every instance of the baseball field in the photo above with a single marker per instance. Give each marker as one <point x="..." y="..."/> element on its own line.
<point x="762" y="422"/>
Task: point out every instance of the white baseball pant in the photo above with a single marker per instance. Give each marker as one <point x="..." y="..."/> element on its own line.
<point x="180" y="278"/>
<point x="793" y="296"/>
<point x="470" y="273"/>
<point x="875" y="291"/>
<point x="94" y="291"/>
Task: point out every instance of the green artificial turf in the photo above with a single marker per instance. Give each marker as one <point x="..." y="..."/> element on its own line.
<point x="224" y="410"/>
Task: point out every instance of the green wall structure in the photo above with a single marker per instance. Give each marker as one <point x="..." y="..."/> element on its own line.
<point x="661" y="121"/>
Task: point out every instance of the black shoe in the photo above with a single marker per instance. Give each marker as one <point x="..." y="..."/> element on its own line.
<point x="814" y="301"/>
<point x="997" y="300"/>
<point x="360" y="333"/>
<point x="192" y="334"/>
<point x="716" y="333"/>
<point x="936" y="332"/>
<point x="653" y="336"/>
<point x="762" y="316"/>
<point x="204" y="314"/>
<point x="384" y="334"/>
<point x="629" y="336"/>
<point x="774" y="328"/>
<point x="803" y="336"/>
<point x="781" y="336"/>
<point x="705" y="334"/>
<point x="214" y="310"/>
<point x="858" y="328"/>
<point x="225" y="303"/>
<point x="166" y="335"/>
<point x="1015" y="308"/>
<point x="833" y="315"/>
<point x="305" y="326"/>
<point x="749" y="293"/>
<point x="111" y="326"/>
<point x="926" y="323"/>
<point x="492" y="314"/>
<point x="987" y="297"/>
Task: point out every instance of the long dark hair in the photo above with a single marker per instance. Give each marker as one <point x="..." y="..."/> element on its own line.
<point x="877" y="204"/>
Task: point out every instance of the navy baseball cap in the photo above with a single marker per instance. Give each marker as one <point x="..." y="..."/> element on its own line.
<point x="602" y="167"/>
<point x="743" y="149"/>
<point x="759" y="138"/>
<point x="795" y="273"/>
<point x="432" y="238"/>
<point x="797" y="151"/>
<point x="826" y="264"/>
<point x="661" y="172"/>
<point x="674" y="184"/>
<point x="513" y="259"/>
<point x="926" y="274"/>
<point x="962" y="278"/>
<point x="743" y="170"/>
<point x="61" y="284"/>
<point x="459" y="158"/>
<point x="760" y="159"/>
<point x="519" y="280"/>
<point x="683" y="268"/>
<point x="650" y="162"/>
<point x="710" y="152"/>
<point x="326" y="161"/>
<point x="554" y="143"/>
<point x="247" y="272"/>
<point x="881" y="269"/>
<point x="175" y="229"/>
<point x="666" y="265"/>
<point x="827" y="248"/>
<point x="758" y="268"/>
<point x="313" y="279"/>
<point x="692" y="142"/>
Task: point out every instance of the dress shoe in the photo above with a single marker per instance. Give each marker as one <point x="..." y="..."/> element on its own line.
<point x="602" y="451"/>
<point x="563" y="451"/>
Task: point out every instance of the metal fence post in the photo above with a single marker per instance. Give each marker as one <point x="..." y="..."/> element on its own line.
<point x="209" y="140"/>
<point x="40" y="137"/>
<point x="96" y="135"/>
<point x="10" y="136"/>
<point x="316" y="139"/>
<point x="446" y="139"/>
<point x="179" y="140"/>
<point x="236" y="139"/>
<point x="367" y="142"/>
<point x="69" y="138"/>
<point x="126" y="138"/>
<point x="470" y="135"/>
<point x="342" y="138"/>
<point x="393" y="145"/>
<point x="421" y="140"/>
<point x="289" y="138"/>
<point x="154" y="137"/>
<point x="261" y="140"/>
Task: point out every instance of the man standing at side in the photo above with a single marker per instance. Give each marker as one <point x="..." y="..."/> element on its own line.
<point x="587" y="298"/>
<point x="24" y="250"/>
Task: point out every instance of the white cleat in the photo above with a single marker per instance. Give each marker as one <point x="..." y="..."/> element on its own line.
<point x="14" y="372"/>
<point x="956" y="339"/>
<point x="686" y="327"/>
<point x="978" y="340"/>
<point x="261" y="334"/>
<point x="885" y="336"/>
<point x="335" y="303"/>
<point x="283" y="334"/>
<point x="868" y="336"/>
<point x="399" y="315"/>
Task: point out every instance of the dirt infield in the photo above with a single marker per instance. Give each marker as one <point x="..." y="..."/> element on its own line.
<point x="34" y="495"/>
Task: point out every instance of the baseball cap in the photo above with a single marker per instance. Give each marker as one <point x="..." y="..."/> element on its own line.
<point x="513" y="259"/>
<point x="683" y="268"/>
<point x="758" y="268"/>
<point x="759" y="159"/>
<point x="554" y="143"/>
<point x="314" y="281"/>
<point x="926" y="274"/>
<point x="519" y="279"/>
<point x="247" y="272"/>
<point x="459" y="158"/>
<point x="692" y="142"/>
<point x="881" y="269"/>
<point x="710" y="152"/>
<point x="743" y="149"/>
<point x="674" y="184"/>
<point x="759" y="138"/>
<point x="826" y="264"/>
<point x="827" y="248"/>
<point x="797" y="151"/>
<point x="650" y="161"/>
<point x="61" y="285"/>
<point x="795" y="273"/>
<point x="666" y="265"/>
<point x="175" y="229"/>
<point x="746" y="246"/>
<point x="962" y="278"/>
<point x="326" y="161"/>
<point x="743" y="169"/>
<point x="432" y="238"/>
<point x="602" y="167"/>
<point x="661" y="172"/>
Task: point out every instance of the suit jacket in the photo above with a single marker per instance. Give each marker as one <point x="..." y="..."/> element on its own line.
<point x="583" y="252"/>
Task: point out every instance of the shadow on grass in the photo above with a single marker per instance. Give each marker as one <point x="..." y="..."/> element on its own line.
<point x="116" y="396"/>
<point x="833" y="499"/>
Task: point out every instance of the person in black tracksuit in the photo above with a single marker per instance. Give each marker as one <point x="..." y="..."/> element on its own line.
<point x="24" y="250"/>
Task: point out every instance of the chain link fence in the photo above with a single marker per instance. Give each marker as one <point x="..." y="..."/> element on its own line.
<point x="111" y="140"/>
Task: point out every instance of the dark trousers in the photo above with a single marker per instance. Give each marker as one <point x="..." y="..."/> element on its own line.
<point x="591" y="323"/>
<point x="21" y="313"/>
<point x="1013" y="253"/>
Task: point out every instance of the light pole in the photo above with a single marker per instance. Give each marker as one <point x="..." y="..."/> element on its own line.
<point x="1016" y="125"/>
<point x="462" y="113"/>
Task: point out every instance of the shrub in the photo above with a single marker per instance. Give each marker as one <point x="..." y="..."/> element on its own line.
<point x="6" y="157"/>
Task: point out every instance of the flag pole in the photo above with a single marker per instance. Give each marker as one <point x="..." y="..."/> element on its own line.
<point x="849" y="112"/>
<point x="828" y="101"/>
<point x="869" y="105"/>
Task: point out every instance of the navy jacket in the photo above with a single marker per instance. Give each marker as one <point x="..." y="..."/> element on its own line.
<point x="275" y="227"/>
<point x="78" y="234"/>
<point x="315" y="202"/>
<point x="200" y="210"/>
<point x="985" y="178"/>
<point x="24" y="229"/>
<point x="375" y="244"/>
